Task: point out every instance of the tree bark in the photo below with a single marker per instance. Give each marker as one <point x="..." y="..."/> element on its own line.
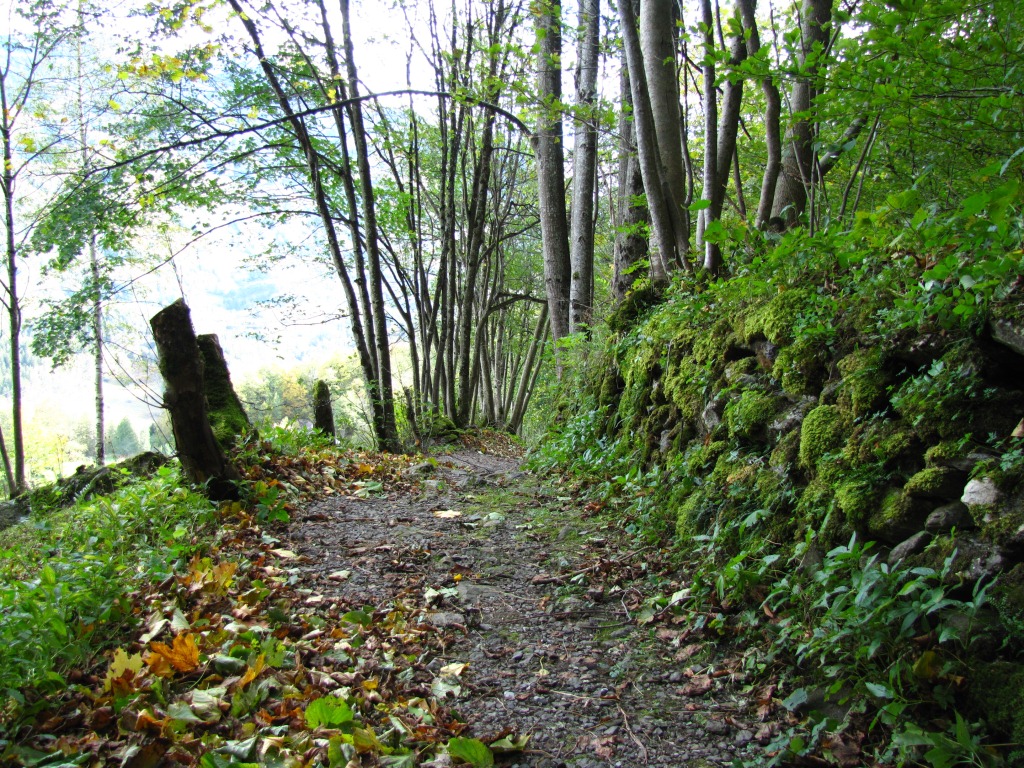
<point x="201" y="456"/>
<point x="728" y="128"/>
<point x="551" y="167"/>
<point x="227" y="416"/>
<point x="581" y="295"/>
<point x="388" y="437"/>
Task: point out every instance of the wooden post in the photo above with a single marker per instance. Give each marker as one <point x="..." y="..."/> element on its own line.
<point x="201" y="456"/>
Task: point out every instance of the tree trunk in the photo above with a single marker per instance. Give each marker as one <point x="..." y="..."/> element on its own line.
<point x="323" y="413"/>
<point x="201" y="456"/>
<point x="728" y="128"/>
<point x="581" y="296"/>
<point x="630" y="215"/>
<point x="388" y="438"/>
<point x="658" y="47"/>
<point x="772" y="114"/>
<point x="664" y="238"/>
<point x="797" y="170"/>
<point x="551" y="167"/>
<point x="17" y="483"/>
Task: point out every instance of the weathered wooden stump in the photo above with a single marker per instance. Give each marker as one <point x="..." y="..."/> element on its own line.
<point x="323" y="413"/>
<point x="202" y="458"/>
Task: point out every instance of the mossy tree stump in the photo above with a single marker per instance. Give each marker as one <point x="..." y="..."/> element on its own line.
<point x="227" y="416"/>
<point x="202" y="458"/>
<point x="323" y="413"/>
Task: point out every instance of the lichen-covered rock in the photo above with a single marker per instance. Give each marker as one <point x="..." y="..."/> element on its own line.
<point x="858" y="500"/>
<point x="823" y="431"/>
<point x="791" y="418"/>
<point x="800" y="367"/>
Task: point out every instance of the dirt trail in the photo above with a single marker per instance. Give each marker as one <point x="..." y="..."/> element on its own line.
<point x="536" y="612"/>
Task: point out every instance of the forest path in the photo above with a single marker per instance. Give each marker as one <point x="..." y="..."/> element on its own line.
<point x="539" y="602"/>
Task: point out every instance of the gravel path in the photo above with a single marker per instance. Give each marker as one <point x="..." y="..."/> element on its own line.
<point x="541" y="609"/>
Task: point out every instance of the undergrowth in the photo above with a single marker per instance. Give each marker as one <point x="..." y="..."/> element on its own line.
<point x="66" y="578"/>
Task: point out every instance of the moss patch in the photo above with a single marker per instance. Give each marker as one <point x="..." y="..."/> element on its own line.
<point x="801" y="367"/>
<point x="865" y="381"/>
<point x="822" y="432"/>
<point x="748" y="416"/>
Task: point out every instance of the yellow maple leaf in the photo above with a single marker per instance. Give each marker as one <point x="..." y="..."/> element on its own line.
<point x="122" y="671"/>
<point x="182" y="655"/>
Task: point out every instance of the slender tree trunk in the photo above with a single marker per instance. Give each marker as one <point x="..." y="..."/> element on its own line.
<point x="647" y="148"/>
<point x="797" y="169"/>
<point x="551" y="167"/>
<point x="581" y="295"/>
<point x="389" y="433"/>
<point x="531" y="365"/>
<point x="97" y="331"/>
<point x="658" y="32"/>
<point x="630" y="215"/>
<point x="326" y="214"/>
<point x="710" y="120"/>
<point x="725" y="152"/>
<point x="772" y="115"/>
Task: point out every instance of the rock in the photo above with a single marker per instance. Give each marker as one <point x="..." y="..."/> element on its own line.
<point x="743" y="738"/>
<point x="899" y="517"/>
<point x="423" y="468"/>
<point x="949" y="516"/>
<point x="12" y="511"/>
<point x="711" y="416"/>
<point x="716" y="727"/>
<point x="911" y="546"/>
<point x="977" y="559"/>
<point x="791" y="418"/>
<point x="981" y="492"/>
<point x="1009" y="334"/>
<point x="767" y="353"/>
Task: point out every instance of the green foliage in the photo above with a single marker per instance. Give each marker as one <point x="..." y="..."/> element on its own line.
<point x="65" y="578"/>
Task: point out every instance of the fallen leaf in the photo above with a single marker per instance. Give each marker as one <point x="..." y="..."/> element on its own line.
<point x="183" y="655"/>
<point x="698" y="686"/>
<point x="455" y="669"/>
<point x="122" y="671"/>
<point x="253" y="671"/>
<point x="339" y="575"/>
<point x="447" y="513"/>
<point x="286" y="554"/>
